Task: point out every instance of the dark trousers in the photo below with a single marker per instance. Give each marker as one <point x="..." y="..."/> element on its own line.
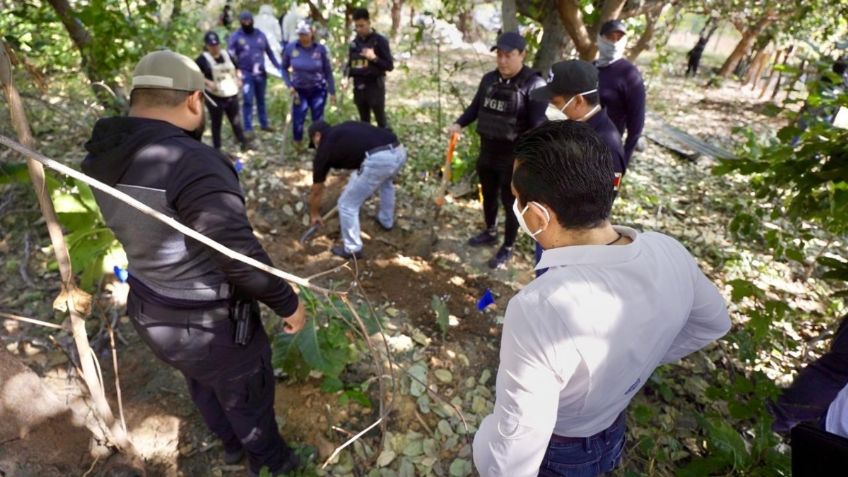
<point x="810" y="394"/>
<point x="371" y="96"/>
<point x="231" y="385"/>
<point x="308" y="99"/>
<point x="495" y="173"/>
<point x="586" y="456"/>
<point x="230" y="107"/>
<point x="692" y="67"/>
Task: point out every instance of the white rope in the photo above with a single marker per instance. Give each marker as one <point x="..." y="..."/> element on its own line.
<point x="169" y="221"/>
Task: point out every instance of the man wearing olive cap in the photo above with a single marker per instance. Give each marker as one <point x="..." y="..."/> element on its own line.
<point x="183" y="295"/>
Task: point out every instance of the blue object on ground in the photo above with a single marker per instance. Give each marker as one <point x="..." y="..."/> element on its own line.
<point x="239" y="165"/>
<point x="486" y="300"/>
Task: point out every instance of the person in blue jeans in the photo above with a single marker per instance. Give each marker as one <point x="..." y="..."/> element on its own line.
<point x="376" y="157"/>
<point x="248" y="46"/>
<point x="579" y="342"/>
<point x="310" y="80"/>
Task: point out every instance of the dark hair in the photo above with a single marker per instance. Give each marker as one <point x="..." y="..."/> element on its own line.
<point x="153" y="97"/>
<point x="361" y="14"/>
<point x="566" y="166"/>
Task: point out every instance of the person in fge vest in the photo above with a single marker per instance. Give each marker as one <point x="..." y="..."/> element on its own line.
<point x="222" y="85"/>
<point x="503" y="110"/>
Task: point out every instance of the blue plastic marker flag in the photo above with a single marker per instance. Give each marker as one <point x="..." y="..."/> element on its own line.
<point x="486" y="300"/>
<point x="121" y="273"/>
<point x="239" y="165"/>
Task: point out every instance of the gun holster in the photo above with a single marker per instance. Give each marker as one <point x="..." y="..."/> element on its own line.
<point x="245" y="315"/>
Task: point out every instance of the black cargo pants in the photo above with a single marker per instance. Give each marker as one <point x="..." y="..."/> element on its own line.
<point x="231" y="385"/>
<point x="370" y="96"/>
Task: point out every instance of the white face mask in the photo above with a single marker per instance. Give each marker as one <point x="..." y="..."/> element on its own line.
<point x="519" y="214"/>
<point x="608" y="51"/>
<point x="554" y="114"/>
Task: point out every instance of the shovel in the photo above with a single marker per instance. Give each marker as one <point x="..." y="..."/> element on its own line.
<point x="443" y="189"/>
<point x="313" y="229"/>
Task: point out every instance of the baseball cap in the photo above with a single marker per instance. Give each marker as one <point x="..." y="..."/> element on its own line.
<point x="303" y="28"/>
<point x="211" y="38"/>
<point x="567" y="78"/>
<point x="245" y="15"/>
<point x="317" y="126"/>
<point x="611" y="26"/>
<point x="509" y="41"/>
<point x="165" y="69"/>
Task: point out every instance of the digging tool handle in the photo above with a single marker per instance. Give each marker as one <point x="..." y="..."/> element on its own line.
<point x="446" y="172"/>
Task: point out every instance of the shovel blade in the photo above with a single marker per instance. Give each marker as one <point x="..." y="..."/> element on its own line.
<point x="310" y="232"/>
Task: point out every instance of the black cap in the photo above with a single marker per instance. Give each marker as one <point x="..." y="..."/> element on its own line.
<point x="317" y="126"/>
<point x="509" y="41"/>
<point x="567" y="78"/>
<point x="611" y="26"/>
<point x="211" y="38"/>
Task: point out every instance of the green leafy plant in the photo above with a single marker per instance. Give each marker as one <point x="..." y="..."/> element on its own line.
<point x="442" y="314"/>
<point x="90" y="242"/>
<point x="326" y="344"/>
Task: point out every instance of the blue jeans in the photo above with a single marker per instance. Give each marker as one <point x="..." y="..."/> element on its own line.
<point x="587" y="457"/>
<point x="376" y="173"/>
<point x="312" y="99"/>
<point x="253" y="86"/>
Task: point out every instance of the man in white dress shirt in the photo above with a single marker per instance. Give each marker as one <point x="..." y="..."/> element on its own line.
<point x="580" y="341"/>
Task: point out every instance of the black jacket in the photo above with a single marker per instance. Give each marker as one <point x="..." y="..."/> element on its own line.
<point x="162" y="166"/>
<point x="363" y="70"/>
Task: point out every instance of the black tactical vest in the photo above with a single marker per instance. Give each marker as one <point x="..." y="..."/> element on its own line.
<point x="502" y="103"/>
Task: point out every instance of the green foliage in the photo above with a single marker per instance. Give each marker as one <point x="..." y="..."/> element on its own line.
<point x="90" y="243"/>
<point x="799" y="177"/>
<point x="442" y="314"/>
<point x="326" y="344"/>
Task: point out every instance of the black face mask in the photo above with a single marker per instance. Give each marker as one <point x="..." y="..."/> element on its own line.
<point x="247" y="27"/>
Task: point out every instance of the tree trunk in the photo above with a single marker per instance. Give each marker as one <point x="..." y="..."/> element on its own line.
<point x="509" y="15"/>
<point x="396" y="7"/>
<point x="554" y="41"/>
<point x="780" y="75"/>
<point x="463" y="23"/>
<point x="412" y="16"/>
<point x="572" y="19"/>
<point x="82" y="39"/>
<point x="645" y="39"/>
<point x="772" y="72"/>
<point x="757" y="66"/>
<point x="748" y="37"/>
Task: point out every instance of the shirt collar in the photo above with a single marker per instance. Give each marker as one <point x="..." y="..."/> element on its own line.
<point x="593" y="254"/>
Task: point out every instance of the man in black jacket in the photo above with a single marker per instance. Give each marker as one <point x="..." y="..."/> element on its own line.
<point x="503" y="110"/>
<point x="184" y="297"/>
<point x="369" y="58"/>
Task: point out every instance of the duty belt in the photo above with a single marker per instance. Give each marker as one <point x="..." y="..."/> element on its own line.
<point x="387" y="147"/>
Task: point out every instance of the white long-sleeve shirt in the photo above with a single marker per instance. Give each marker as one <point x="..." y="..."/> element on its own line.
<point x="582" y="339"/>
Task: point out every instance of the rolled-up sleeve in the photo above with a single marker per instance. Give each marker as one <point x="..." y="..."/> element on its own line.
<point x="512" y="440"/>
